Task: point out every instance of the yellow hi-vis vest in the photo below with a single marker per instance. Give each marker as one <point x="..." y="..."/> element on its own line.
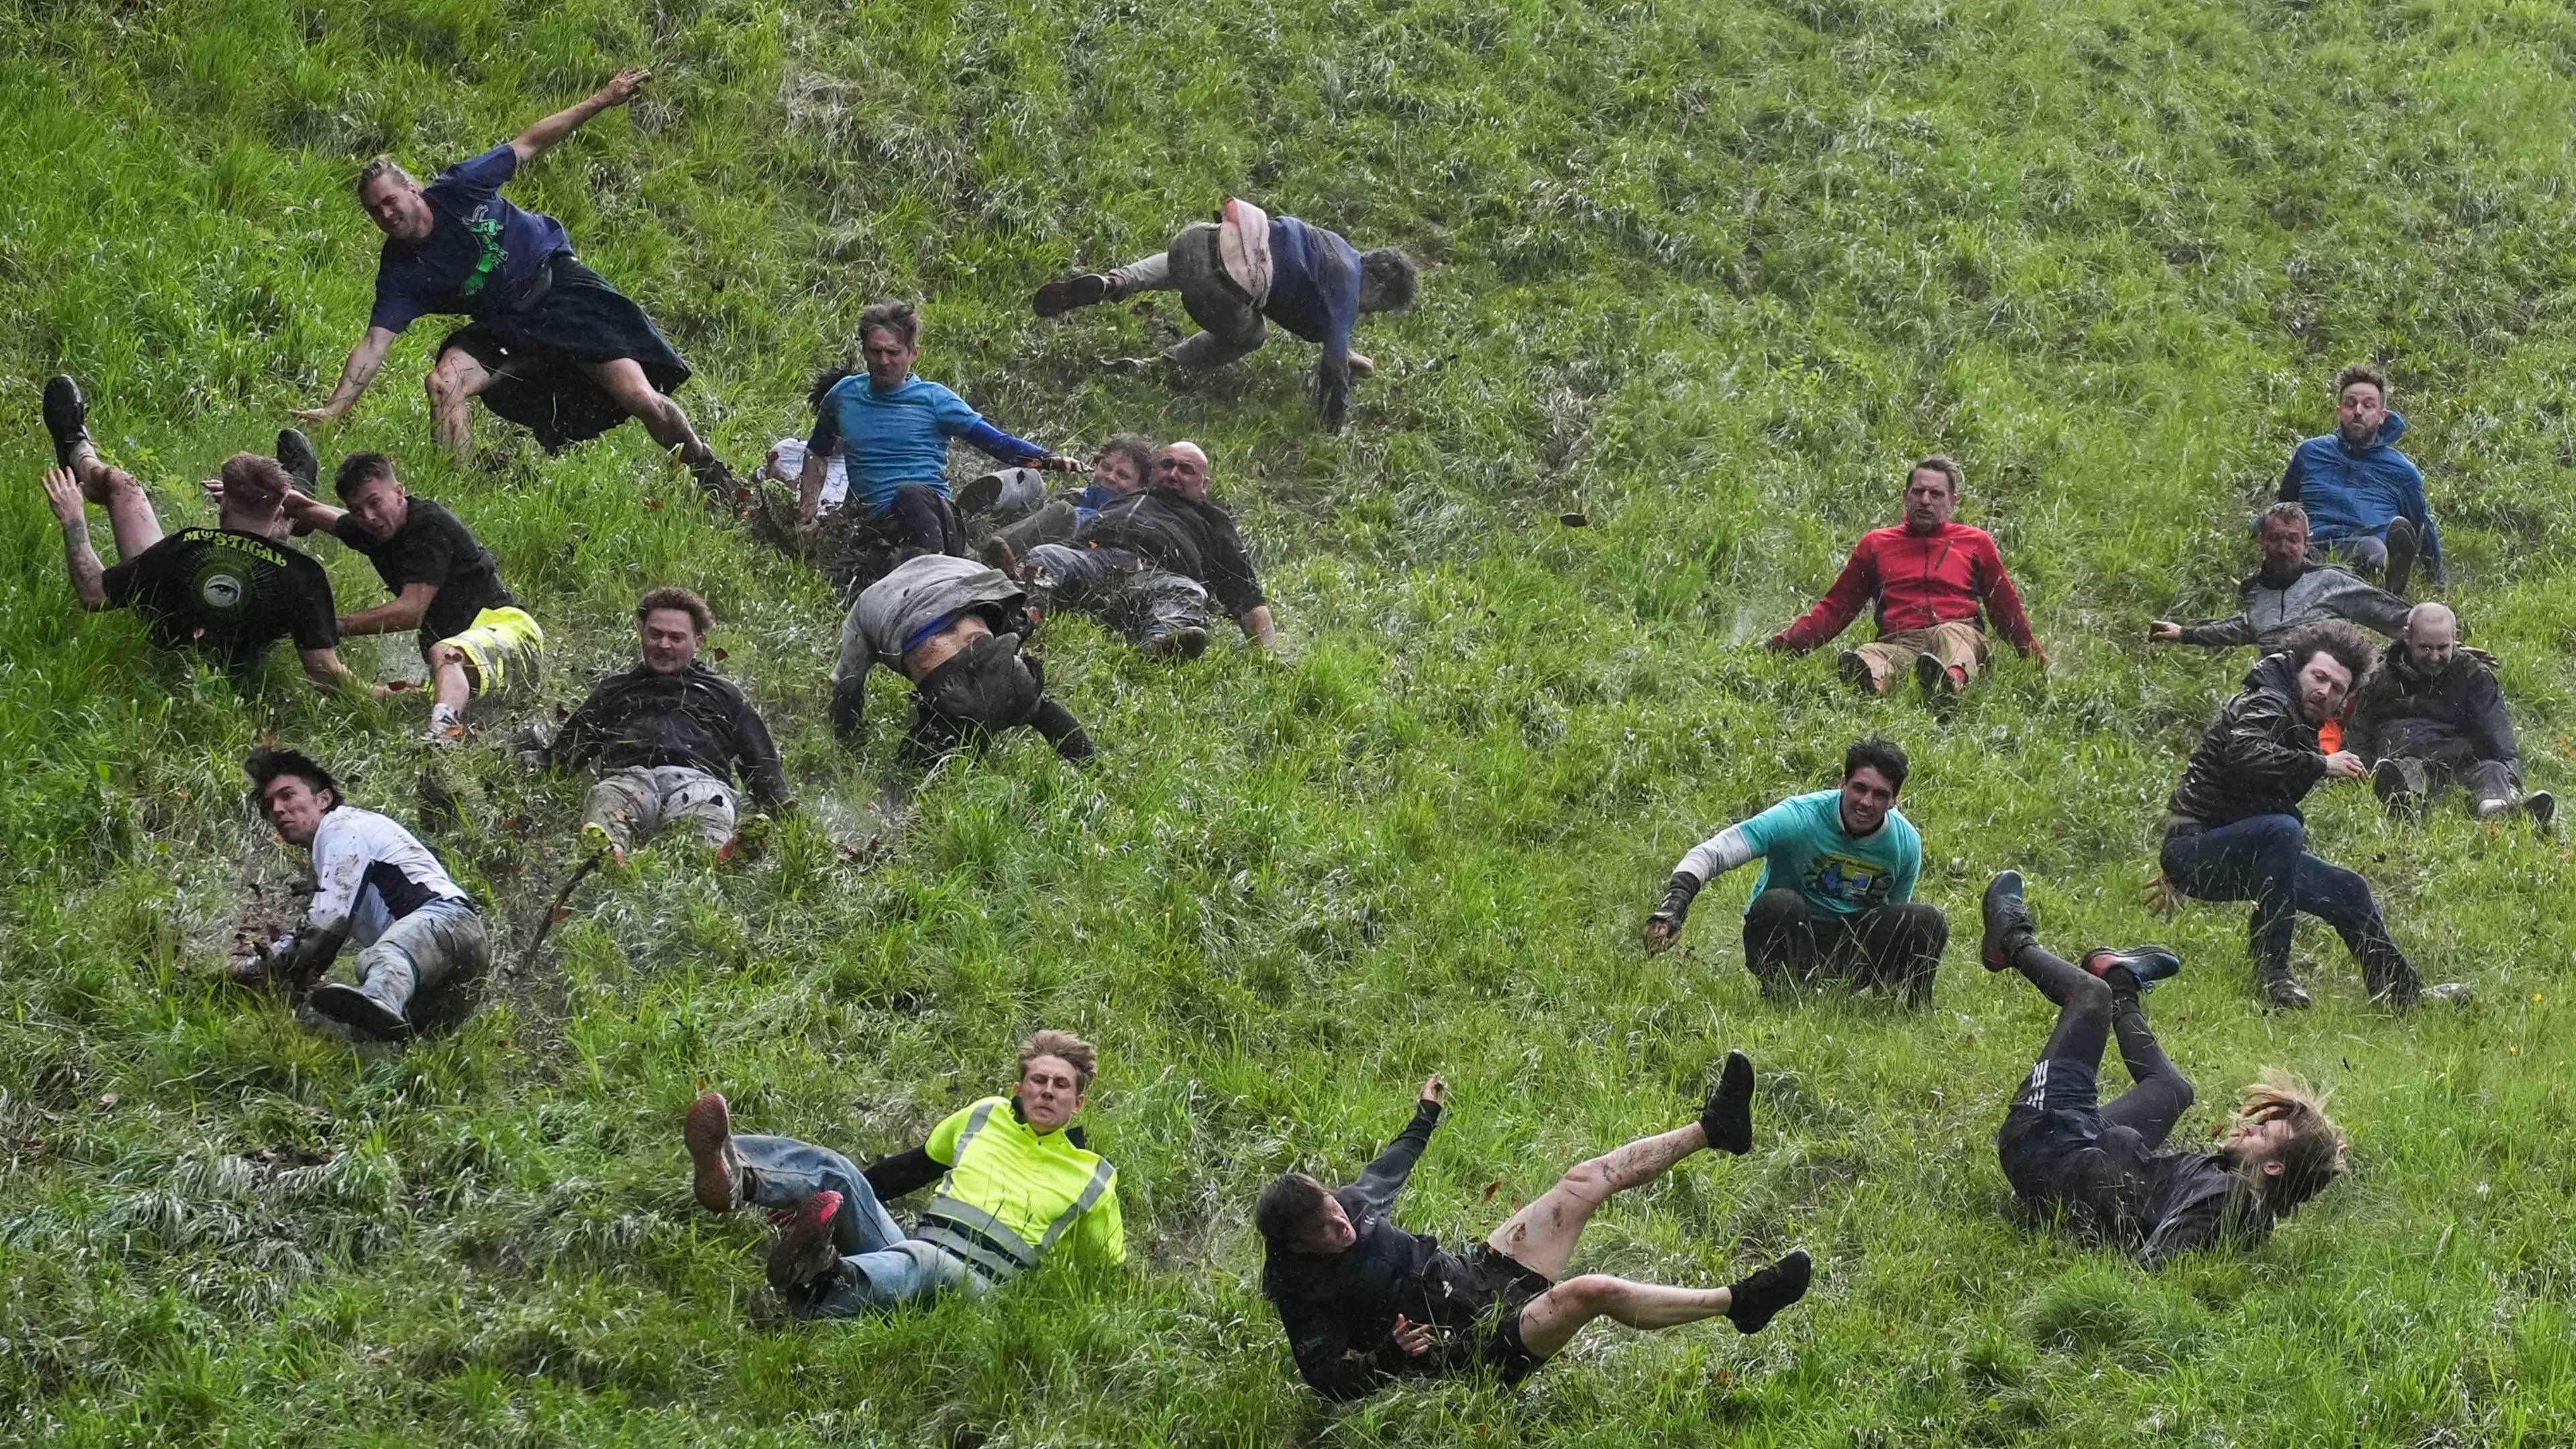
<point x="1010" y="1194"/>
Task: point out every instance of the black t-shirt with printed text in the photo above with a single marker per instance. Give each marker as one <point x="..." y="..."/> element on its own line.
<point x="433" y="547"/>
<point x="229" y="594"/>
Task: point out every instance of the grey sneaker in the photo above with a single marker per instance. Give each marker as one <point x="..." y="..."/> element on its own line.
<point x="2449" y="993"/>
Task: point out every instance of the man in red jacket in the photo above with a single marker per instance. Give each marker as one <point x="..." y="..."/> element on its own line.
<point x="1935" y="582"/>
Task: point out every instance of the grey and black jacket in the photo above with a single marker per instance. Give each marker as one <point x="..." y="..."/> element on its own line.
<point x="920" y="598"/>
<point x="2267" y="612"/>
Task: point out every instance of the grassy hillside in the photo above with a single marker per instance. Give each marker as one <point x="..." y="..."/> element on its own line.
<point x="1710" y="272"/>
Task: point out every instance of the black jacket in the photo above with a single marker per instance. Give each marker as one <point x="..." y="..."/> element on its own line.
<point x="1340" y="1310"/>
<point x="2259" y="757"/>
<point x="2406" y="711"/>
<point x="696" y="717"/>
<point x="1191" y="537"/>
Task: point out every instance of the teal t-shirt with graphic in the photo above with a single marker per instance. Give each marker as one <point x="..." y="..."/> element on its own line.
<point x="1803" y="847"/>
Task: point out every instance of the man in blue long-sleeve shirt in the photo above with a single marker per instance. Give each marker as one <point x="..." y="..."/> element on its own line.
<point x="2365" y="499"/>
<point x="1248" y="269"/>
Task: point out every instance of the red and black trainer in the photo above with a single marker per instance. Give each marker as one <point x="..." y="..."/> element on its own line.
<point x="805" y="1251"/>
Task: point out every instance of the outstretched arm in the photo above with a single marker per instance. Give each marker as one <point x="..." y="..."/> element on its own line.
<point x="1386" y="1177"/>
<point x="355" y="374"/>
<point x="403" y="611"/>
<point x="324" y="668"/>
<point x="620" y="89"/>
<point x="79" y="558"/>
<point x="1706" y="861"/>
<point x="1852" y="590"/>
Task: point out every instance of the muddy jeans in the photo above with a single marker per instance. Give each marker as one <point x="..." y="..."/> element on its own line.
<point x="1958" y="644"/>
<point x="442" y="939"/>
<point x="2435" y="765"/>
<point x="631" y="804"/>
<point x="880" y="1267"/>
<point x="1118" y="587"/>
<point x="1235" y="328"/>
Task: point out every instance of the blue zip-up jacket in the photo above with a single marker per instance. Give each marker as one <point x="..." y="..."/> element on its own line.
<point x="2349" y="494"/>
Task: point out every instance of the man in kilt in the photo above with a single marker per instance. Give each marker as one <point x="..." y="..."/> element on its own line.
<point x="551" y="345"/>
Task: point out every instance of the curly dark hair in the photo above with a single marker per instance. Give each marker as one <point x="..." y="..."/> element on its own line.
<point x="2339" y="638"/>
<point x="267" y="765"/>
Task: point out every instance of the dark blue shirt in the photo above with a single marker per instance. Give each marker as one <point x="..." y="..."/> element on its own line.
<point x="1314" y="284"/>
<point x="480" y="250"/>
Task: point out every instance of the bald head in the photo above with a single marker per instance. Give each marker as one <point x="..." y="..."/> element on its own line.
<point x="1183" y="468"/>
<point x="2431" y="632"/>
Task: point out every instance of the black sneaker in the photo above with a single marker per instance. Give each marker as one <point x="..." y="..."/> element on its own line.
<point x="1062" y="295"/>
<point x="2402" y="546"/>
<point x="2544" y="810"/>
<point x="2006" y="918"/>
<point x="295" y="454"/>
<point x="2146" y="965"/>
<point x="1753" y="1299"/>
<point x="805" y="1252"/>
<point x="358" y="1011"/>
<point x="1727" y="1117"/>
<point x="66" y="417"/>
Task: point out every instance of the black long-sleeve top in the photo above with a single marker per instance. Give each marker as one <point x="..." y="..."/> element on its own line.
<point x="1339" y="1309"/>
<point x="693" y="717"/>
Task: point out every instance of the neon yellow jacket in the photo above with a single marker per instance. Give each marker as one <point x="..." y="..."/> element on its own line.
<point x="1010" y="1194"/>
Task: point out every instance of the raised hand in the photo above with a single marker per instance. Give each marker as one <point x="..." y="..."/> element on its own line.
<point x="622" y="86"/>
<point x="63" y="492"/>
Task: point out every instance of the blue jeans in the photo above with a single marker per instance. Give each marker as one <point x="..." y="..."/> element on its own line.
<point x="880" y="1267"/>
<point x="2264" y="859"/>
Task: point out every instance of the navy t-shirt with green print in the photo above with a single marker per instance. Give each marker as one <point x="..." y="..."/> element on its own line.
<point x="480" y="251"/>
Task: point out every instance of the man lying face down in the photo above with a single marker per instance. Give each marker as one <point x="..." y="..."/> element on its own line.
<point x="953" y="627"/>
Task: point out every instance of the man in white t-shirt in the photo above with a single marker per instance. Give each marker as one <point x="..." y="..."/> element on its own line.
<point x="375" y="882"/>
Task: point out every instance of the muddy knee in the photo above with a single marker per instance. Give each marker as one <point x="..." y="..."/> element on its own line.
<point x="1596" y="1294"/>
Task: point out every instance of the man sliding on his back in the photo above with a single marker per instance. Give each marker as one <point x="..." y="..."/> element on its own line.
<point x="377" y="885"/>
<point x="228" y="592"/>
<point x="1015" y="1180"/>
<point x="2097" y="1165"/>
<point x="1364" y="1302"/>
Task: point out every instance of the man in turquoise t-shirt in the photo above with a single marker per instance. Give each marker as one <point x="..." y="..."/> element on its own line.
<point x="1837" y="891"/>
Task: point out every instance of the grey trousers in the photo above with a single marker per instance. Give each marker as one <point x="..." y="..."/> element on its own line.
<point x="1118" y="588"/>
<point x="631" y="804"/>
<point x="2452" y="763"/>
<point x="1235" y="328"/>
<point x="422" y="949"/>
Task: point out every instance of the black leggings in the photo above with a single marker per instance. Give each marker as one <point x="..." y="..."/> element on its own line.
<point x="2088" y="1013"/>
<point x="1789" y="944"/>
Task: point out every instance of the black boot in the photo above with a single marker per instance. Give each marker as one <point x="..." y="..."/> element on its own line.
<point x="295" y="454"/>
<point x="2402" y="546"/>
<point x="2280" y="989"/>
<point x="1083" y="289"/>
<point x="1727" y="1117"/>
<point x="66" y="418"/>
<point x="2008" y="926"/>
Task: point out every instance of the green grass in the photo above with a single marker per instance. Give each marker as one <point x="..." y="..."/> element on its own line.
<point x="1710" y="272"/>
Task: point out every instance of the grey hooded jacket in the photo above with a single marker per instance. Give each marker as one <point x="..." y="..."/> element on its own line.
<point x="2266" y="614"/>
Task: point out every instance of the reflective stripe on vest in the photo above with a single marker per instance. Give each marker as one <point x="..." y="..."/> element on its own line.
<point x="984" y="1241"/>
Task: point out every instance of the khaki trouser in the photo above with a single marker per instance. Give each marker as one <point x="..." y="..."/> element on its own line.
<point x="631" y="804"/>
<point x="1957" y="644"/>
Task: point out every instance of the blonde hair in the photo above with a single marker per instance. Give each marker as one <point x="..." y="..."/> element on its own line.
<point x="2310" y="1160"/>
<point x="1077" y="1054"/>
<point x="378" y="170"/>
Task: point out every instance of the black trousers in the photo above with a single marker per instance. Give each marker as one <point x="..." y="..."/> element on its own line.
<point x="1788" y="945"/>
